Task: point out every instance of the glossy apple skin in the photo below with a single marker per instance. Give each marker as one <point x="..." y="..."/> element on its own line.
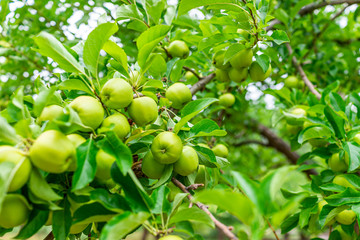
<point x="242" y="59"/>
<point x="218" y="60"/>
<point x="179" y="94"/>
<point x="143" y="111"/>
<point x="342" y="181"/>
<point x="238" y="75"/>
<point x="244" y="33"/>
<point x="188" y="162"/>
<point x="151" y="168"/>
<point x="166" y="148"/>
<point x="292" y="129"/>
<point x="346" y="217"/>
<point x="297" y="112"/>
<point x="356" y="138"/>
<point x="14" y="155"/>
<point x="104" y="161"/>
<point x="116" y="93"/>
<point x="178" y="49"/>
<point x="15" y="211"/>
<point x="257" y="74"/>
<point x="321" y="204"/>
<point x="89" y="110"/>
<point x="338" y="165"/>
<point x="119" y="123"/>
<point x="171" y="237"/>
<point x="50" y="113"/>
<point x="222" y="75"/>
<point x="291" y="82"/>
<point x="227" y="100"/>
<point x="220" y="150"/>
<point x="52" y="152"/>
<point x="76" y="140"/>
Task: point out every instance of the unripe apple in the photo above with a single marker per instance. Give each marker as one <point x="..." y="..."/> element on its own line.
<point x="238" y="75"/>
<point x="188" y="162"/>
<point x="116" y="93"/>
<point x="203" y="145"/>
<point x="14" y="155"/>
<point x="222" y="75"/>
<point x="89" y="110"/>
<point x="119" y="123"/>
<point x="218" y="60"/>
<point x="136" y="79"/>
<point x="342" y="181"/>
<point x="166" y="147"/>
<point x="151" y="168"/>
<point x="321" y="204"/>
<point x="227" y="100"/>
<point x="179" y="94"/>
<point x="143" y="111"/>
<point x="242" y="59"/>
<point x="15" y="211"/>
<point x="171" y="237"/>
<point x="178" y="49"/>
<point x="174" y="190"/>
<point x="49" y="113"/>
<point x="339" y="165"/>
<point x="220" y="150"/>
<point x="257" y="74"/>
<point x="356" y="138"/>
<point x="244" y="33"/>
<point x="293" y="120"/>
<point x="161" y="51"/>
<point x="201" y="175"/>
<point x="76" y="140"/>
<point x="346" y="217"/>
<point x="292" y="129"/>
<point x="104" y="161"/>
<point x="52" y="152"/>
<point x="190" y="77"/>
<point x="291" y="82"/>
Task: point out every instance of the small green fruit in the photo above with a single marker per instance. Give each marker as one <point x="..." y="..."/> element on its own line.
<point x="356" y="138"/>
<point x="342" y="181"/>
<point x="218" y="60"/>
<point x="203" y="145"/>
<point x="104" y="161"/>
<point x="346" y="217"/>
<point x="299" y="113"/>
<point x="238" y="75"/>
<point x="222" y="75"/>
<point x="179" y="94"/>
<point x="339" y="165"/>
<point x="89" y="110"/>
<point x="166" y="147"/>
<point x="171" y="237"/>
<point x="76" y="140"/>
<point x="161" y="51"/>
<point x="15" y="211"/>
<point x="49" y="113"/>
<point x="178" y="49"/>
<point x="201" y="175"/>
<point x="291" y="82"/>
<point x="52" y="152"/>
<point x="220" y="150"/>
<point x="187" y="163"/>
<point x="143" y="111"/>
<point x="245" y="34"/>
<point x="292" y="129"/>
<point x="227" y="100"/>
<point x="119" y="123"/>
<point x="151" y="168"/>
<point x="257" y="74"/>
<point x="321" y="204"/>
<point x="116" y="93"/>
<point x="242" y="59"/>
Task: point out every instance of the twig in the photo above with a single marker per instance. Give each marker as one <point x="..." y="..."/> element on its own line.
<point x="225" y="229"/>
<point x="302" y="73"/>
<point x="254" y="21"/>
<point x="193" y="72"/>
<point x="50" y="236"/>
<point x="201" y="84"/>
<point x="194" y="186"/>
<point x="272" y="229"/>
<point x="251" y="141"/>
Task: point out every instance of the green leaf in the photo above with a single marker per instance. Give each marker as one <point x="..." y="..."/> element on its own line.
<point x="215" y="40"/>
<point x="75" y="84"/>
<point x="4" y="9"/>
<point x="179" y="197"/>
<point x="95" y="42"/>
<point x="7" y="171"/>
<point x="40" y="188"/>
<point x="355" y="99"/>
<point x="280" y="37"/>
<point x="153" y="33"/>
<point x="164" y="177"/>
<point x="264" y="61"/>
<point x="233" y="202"/>
<point x="122" y="225"/>
<point x="192" y="214"/>
<point x="37" y="220"/>
<point x="290" y="223"/>
<point x="337" y="102"/>
<point x="130" y="12"/>
<point x="117" y="53"/>
<point x="92" y="212"/>
<point x="232" y="51"/>
<point x="42" y="100"/>
<point x="206" y="157"/>
<point x="86" y="164"/>
<point x="186" y="5"/>
<point x="113" y="202"/>
<point x="349" y="196"/>
<point x="336" y="122"/>
<point x="354" y="155"/>
<point x="159" y="197"/>
<point x="49" y="46"/>
<point x="62" y="221"/>
<point x="154" y="8"/>
<point x="192" y="109"/>
<point x="16" y="108"/>
<point x="314" y="132"/>
<point x="206" y="127"/>
<point x="328" y="213"/>
<point x="7" y="133"/>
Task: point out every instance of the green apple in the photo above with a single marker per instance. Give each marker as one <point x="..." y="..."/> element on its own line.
<point x="171" y="237"/>
<point x="52" y="152"/>
<point x="143" y="111"/>
<point x="291" y="82"/>
<point x="104" y="161"/>
<point x="238" y="75"/>
<point x="346" y="217"/>
<point x="179" y="94"/>
<point x="49" y="113"/>
<point x="203" y="145"/>
<point x="257" y="74"/>
<point x="222" y="75"/>
<point x="298" y="113"/>
<point x="161" y="51"/>
<point x="174" y="190"/>
<point x="188" y="162"/>
<point x="15" y="211"/>
<point x="89" y="110"/>
<point x="356" y="138"/>
<point x="339" y="165"/>
<point x="76" y="140"/>
<point x="14" y="155"/>
<point x="245" y="34"/>
<point x="136" y="79"/>
<point x="321" y="204"/>
<point x="116" y="93"/>
<point x="227" y="100"/>
<point x="166" y="147"/>
<point x="218" y="60"/>
<point x="342" y="181"/>
<point x="178" y="49"/>
<point x="151" y="168"/>
<point x="292" y="129"/>
<point x="220" y="150"/>
<point x="119" y="123"/>
<point x="201" y="175"/>
<point x="242" y="59"/>
<point x="189" y="76"/>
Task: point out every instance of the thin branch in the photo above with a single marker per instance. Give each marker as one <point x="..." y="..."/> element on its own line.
<point x="302" y="73"/>
<point x="251" y="141"/>
<point x="194" y="186"/>
<point x="201" y="84"/>
<point x="50" y="236"/>
<point x="225" y="229"/>
<point x="254" y="21"/>
<point x="272" y="229"/>
<point x="192" y="71"/>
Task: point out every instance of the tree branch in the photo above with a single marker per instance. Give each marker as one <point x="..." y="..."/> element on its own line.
<point x="192" y="71"/>
<point x="225" y="229"/>
<point x="201" y="84"/>
<point x="251" y="141"/>
<point x="50" y="236"/>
